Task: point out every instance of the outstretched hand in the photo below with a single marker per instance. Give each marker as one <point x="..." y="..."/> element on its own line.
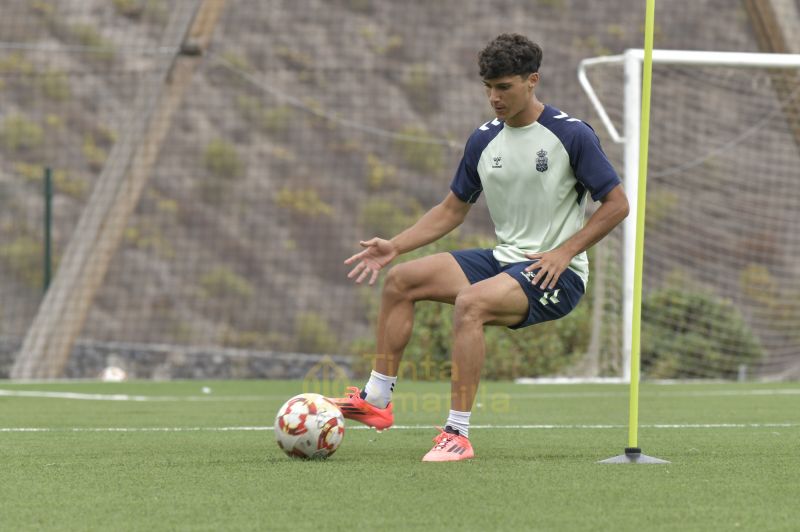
<point x="551" y="265"/>
<point x="377" y="254"/>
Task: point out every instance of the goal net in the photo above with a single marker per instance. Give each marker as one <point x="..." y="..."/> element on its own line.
<point x="721" y="278"/>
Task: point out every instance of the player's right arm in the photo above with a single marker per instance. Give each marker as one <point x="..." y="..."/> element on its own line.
<point x="432" y="226"/>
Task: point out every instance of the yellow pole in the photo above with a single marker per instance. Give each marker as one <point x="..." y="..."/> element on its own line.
<point x="644" y="138"/>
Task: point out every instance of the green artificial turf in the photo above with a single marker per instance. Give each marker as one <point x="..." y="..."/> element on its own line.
<point x="171" y="456"/>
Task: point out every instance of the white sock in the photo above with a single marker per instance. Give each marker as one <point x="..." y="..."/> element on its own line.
<point x="459" y="421"/>
<point x="379" y="388"/>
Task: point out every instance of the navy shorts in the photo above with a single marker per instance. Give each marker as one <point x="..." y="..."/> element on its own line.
<point x="544" y="305"/>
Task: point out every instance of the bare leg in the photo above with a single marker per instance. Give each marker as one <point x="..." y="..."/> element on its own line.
<point x="433" y="278"/>
<point x="496" y="301"/>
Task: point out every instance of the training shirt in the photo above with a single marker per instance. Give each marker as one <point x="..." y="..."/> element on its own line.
<point x="536" y="180"/>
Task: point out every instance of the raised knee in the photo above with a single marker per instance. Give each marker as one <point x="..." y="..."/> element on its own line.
<point x="469" y="308"/>
<point x="396" y="283"/>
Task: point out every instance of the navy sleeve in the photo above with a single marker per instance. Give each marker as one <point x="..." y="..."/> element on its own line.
<point x="590" y="164"/>
<point x="466" y="184"/>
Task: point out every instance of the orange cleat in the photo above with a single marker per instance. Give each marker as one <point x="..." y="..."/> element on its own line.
<point x="450" y="447"/>
<point x="356" y="408"/>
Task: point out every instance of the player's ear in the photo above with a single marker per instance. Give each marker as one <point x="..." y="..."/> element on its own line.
<point x="533" y="79"/>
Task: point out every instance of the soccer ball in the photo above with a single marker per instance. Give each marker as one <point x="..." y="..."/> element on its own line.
<point x="309" y="426"/>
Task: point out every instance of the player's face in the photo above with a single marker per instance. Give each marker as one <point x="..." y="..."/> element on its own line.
<point x="510" y="98"/>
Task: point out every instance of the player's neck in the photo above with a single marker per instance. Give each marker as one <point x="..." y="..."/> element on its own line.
<point x="528" y="115"/>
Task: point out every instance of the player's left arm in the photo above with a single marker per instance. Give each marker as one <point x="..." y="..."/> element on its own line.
<point x="551" y="264"/>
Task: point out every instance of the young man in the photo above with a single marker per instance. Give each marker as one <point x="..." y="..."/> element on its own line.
<point x="536" y="166"/>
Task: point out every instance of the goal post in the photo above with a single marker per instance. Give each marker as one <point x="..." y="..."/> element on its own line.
<point x="631" y="61"/>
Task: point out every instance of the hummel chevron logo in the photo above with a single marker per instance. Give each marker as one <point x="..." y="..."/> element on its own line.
<point x="552" y="298"/>
<point x="565" y="115"/>
<point x="494" y="122"/>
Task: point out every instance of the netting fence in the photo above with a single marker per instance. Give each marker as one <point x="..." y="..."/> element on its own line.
<point x="309" y="125"/>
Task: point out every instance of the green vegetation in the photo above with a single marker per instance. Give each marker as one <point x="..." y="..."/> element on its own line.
<point x="53" y="121"/>
<point x="555" y="4"/>
<point x="591" y="44"/>
<point x="222" y="282"/>
<point x="20" y="134"/>
<point x="155" y="10"/>
<point x="361" y="6"/>
<point x="305" y="201"/>
<point x="313" y="334"/>
<point x="95" y="155"/>
<point x="379" y="173"/>
<point x="379" y="42"/>
<point x="660" y="205"/>
<point x="782" y="303"/>
<point x="63" y="181"/>
<point x="55" y="85"/>
<point x="274" y="120"/>
<point x="420" y="151"/>
<point x="237" y="61"/>
<point x="245" y="339"/>
<point x="616" y="30"/>
<point x="386" y="217"/>
<point x="422" y="92"/>
<point x="692" y="333"/>
<point x="166" y="206"/>
<point x="758" y="285"/>
<point x="89" y="36"/>
<point x="16" y="63"/>
<point x="96" y="146"/>
<point x="222" y="159"/>
<point x="129" y="8"/>
<point x="208" y="461"/>
<point x="43" y="8"/>
<point x="147" y="234"/>
<point x="295" y="59"/>
<point x="23" y="256"/>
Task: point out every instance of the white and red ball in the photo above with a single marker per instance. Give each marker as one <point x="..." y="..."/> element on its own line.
<point x="309" y="426"/>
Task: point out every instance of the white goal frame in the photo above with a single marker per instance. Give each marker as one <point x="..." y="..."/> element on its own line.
<point x="632" y="61"/>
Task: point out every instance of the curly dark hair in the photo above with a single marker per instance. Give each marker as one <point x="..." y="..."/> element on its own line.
<point x="509" y="54"/>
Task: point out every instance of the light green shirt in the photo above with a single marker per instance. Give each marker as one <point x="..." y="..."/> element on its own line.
<point x="535" y="180"/>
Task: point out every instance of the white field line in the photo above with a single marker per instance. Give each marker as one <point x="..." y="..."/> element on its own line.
<point x="488" y="389"/>
<point x="133" y="398"/>
<point x="660" y="393"/>
<point x="410" y="427"/>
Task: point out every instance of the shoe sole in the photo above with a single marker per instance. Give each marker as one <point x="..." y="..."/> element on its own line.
<point x="379" y="428"/>
<point x="460" y="459"/>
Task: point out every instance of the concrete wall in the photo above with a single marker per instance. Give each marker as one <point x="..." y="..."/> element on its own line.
<point x="165" y="362"/>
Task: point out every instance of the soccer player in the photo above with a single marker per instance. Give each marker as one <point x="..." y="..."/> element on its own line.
<point x="536" y="166"/>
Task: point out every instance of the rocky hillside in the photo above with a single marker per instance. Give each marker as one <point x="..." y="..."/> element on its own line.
<point x="310" y="125"/>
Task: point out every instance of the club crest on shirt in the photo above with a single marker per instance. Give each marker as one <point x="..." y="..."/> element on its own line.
<point x="541" y="161"/>
<point x="497" y="162"/>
